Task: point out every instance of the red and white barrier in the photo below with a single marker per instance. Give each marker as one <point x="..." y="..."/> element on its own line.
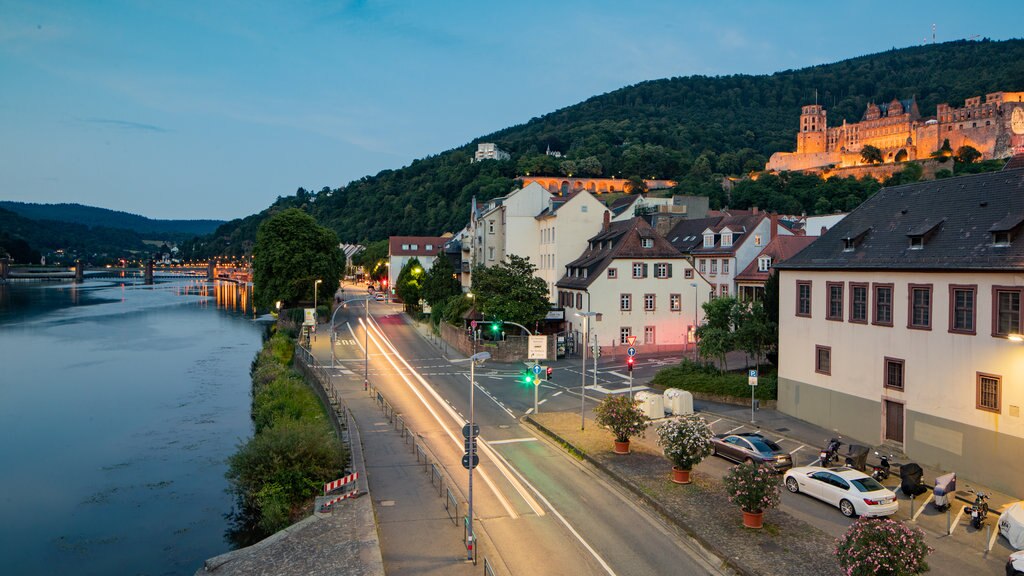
<point x="329" y="503"/>
<point x="332" y="486"/>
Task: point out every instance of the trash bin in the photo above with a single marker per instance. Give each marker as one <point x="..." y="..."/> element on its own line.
<point x="678" y="402"/>
<point x="652" y="404"/>
<point x="857" y="457"/>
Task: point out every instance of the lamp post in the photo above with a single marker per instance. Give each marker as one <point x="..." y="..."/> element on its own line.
<point x="315" y="286"/>
<point x="694" y="338"/>
<point x="583" y="372"/>
<point x="473" y="360"/>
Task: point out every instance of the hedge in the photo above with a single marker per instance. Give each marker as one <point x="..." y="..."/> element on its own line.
<point x="709" y="380"/>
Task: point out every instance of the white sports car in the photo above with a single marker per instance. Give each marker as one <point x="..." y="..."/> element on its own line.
<point x="852" y="491"/>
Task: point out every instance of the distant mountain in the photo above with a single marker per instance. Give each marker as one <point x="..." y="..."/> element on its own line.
<point x="692" y="129"/>
<point x="93" y="216"/>
<point x="25" y="239"/>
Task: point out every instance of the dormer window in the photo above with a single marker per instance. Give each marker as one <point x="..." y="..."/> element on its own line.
<point x="922" y="233"/>
<point x="647" y="242"/>
<point x="916" y="242"/>
<point x="709" y="240"/>
<point x="851" y="241"/>
<point x="726" y="238"/>
<point x="764" y="263"/>
<point x="1004" y="231"/>
<point x="1000" y="239"/>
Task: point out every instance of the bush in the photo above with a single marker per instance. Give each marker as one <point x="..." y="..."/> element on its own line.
<point x="882" y="547"/>
<point x="753" y="487"/>
<point x="622" y="416"/>
<point x="286" y="398"/>
<point x="709" y="380"/>
<point x="686" y="440"/>
<point x="281" y="349"/>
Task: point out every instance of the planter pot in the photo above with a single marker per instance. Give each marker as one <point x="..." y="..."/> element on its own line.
<point x="621" y="447"/>
<point x="753" y="519"/>
<point x="680" y="476"/>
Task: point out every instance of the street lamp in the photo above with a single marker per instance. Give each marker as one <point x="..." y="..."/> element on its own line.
<point x="583" y="372"/>
<point x="316" y="285"/>
<point x="479" y="357"/>
<point x="694" y="337"/>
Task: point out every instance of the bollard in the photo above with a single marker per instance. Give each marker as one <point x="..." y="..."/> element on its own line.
<point x="912" y="508"/>
<point x="988" y="537"/>
<point x="948" y="521"/>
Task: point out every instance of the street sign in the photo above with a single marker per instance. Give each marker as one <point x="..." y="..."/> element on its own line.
<point x="468" y="462"/>
<point x="630" y="340"/>
<point x="473" y="324"/>
<point x="631" y="351"/>
<point x="465" y="430"/>
<point x="536" y="369"/>
<point x="309" y="316"/>
<point x="752" y="377"/>
<point x="537" y="347"/>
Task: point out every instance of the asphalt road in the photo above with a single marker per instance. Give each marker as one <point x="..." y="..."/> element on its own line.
<point x="542" y="511"/>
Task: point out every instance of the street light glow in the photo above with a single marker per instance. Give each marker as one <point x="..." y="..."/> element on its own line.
<point x="1015" y="337"/>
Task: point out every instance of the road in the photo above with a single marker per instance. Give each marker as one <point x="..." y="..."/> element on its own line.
<point x="542" y="511"/>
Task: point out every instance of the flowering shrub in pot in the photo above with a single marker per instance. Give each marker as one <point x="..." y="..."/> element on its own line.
<point x="686" y="441"/>
<point x="754" y="488"/>
<point x="624" y="418"/>
<point x="882" y="547"/>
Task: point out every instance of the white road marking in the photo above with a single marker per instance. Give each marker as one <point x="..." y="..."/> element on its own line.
<point x="529" y="411"/>
<point x="557" y="393"/>
<point x="733" y="430"/>
<point x="619" y="374"/>
<point x="923" y="506"/>
<point x="512" y="440"/>
<point x="992" y="540"/>
<point x="798" y="448"/>
<point x="715" y="422"/>
<point x="542" y="401"/>
<point x="956" y="521"/>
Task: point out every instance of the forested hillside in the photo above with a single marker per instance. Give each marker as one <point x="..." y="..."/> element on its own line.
<point x="693" y="129"/>
<point x="25" y="239"/>
<point x="93" y="216"/>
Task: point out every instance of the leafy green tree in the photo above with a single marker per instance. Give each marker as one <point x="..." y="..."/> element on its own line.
<point x="871" y="154"/>
<point x="291" y="253"/>
<point x="716" y="336"/>
<point x="409" y="284"/>
<point x="509" y="291"/>
<point x="589" y="166"/>
<point x="754" y="331"/>
<point x="440" y="282"/>
<point x="771" y="311"/>
<point x="945" y="152"/>
<point x="967" y="155"/>
<point x="567" y="167"/>
<point x="373" y="257"/>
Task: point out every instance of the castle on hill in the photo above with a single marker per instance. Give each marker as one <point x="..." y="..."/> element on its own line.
<point x="994" y="127"/>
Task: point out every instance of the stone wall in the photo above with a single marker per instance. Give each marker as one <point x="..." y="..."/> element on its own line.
<point x="512" y="349"/>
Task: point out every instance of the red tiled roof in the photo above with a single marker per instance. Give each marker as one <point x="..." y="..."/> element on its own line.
<point x="395" y="244"/>
<point x="780" y="249"/>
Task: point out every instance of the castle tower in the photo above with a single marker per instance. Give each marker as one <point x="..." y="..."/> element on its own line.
<point x="813" y="128"/>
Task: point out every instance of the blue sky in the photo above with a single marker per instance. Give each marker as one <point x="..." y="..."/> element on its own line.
<point x="181" y="109"/>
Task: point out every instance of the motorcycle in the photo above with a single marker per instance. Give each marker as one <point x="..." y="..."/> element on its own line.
<point x="829" y="456"/>
<point x="881" y="471"/>
<point x="945" y="485"/>
<point x="979" y="509"/>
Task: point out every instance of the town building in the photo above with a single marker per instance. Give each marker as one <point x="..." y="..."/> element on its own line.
<point x="900" y="326"/>
<point x="750" y="281"/>
<point x="994" y="127"/>
<point x="490" y="151"/>
<point x="565" y="185"/>
<point x="637" y="284"/>
<point x="402" y="249"/>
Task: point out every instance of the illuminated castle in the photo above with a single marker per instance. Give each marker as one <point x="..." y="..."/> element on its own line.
<point x="994" y="127"/>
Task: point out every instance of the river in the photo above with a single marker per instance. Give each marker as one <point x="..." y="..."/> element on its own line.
<point x="119" y="404"/>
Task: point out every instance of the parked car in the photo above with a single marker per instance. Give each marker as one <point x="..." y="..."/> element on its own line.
<point x="378" y="297"/>
<point x="1015" y="565"/>
<point x="852" y="491"/>
<point x="751" y="447"/>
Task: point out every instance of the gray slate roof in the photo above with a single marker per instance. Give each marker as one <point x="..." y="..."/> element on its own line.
<point x="956" y="218"/>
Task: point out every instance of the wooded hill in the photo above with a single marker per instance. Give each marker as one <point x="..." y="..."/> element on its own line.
<point x="93" y="216"/>
<point x="25" y="240"/>
<point x="692" y="129"/>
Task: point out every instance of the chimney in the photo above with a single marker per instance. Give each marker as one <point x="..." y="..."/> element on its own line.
<point x="774" y="224"/>
<point x="823" y="230"/>
<point x="754" y="209"/>
<point x="607" y="220"/>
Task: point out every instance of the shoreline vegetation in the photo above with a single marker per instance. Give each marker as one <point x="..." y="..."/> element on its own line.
<point x="276" y="474"/>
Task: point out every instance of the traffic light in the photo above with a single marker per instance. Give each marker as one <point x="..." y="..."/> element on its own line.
<point x="496" y="327"/>
<point x="629" y="363"/>
<point x="527" y="377"/>
<point x="549" y="371"/>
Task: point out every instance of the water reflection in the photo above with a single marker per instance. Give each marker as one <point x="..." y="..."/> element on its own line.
<point x="230" y="296"/>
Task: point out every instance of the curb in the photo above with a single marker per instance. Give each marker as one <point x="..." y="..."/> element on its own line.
<point x="709" y="551"/>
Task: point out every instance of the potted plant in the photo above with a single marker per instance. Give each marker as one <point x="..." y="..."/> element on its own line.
<point x="624" y="418"/>
<point x="686" y="441"/>
<point x="754" y="488"/>
<point x="882" y="547"/>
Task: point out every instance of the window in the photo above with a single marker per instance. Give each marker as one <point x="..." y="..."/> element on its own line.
<point x="920" y="313"/>
<point x="613" y="273"/>
<point x="405" y="246"/>
<point x="688" y="274"/>
<point x="709" y="240"/>
<point x="962" y="309"/>
<point x="583" y="208"/>
<point x="883" y="304"/>
<point x="639" y="270"/>
<point x="625" y="302"/>
<point x="757" y="239"/>
<point x="725" y="266"/>
<point x="649" y="302"/>
<point x="675" y="302"/>
<point x="700" y="265"/>
<point x="726" y="238"/>
<point x="663" y="270"/>
<point x="714" y="266"/>
<point x="893" y="374"/>
<point x="648" y="334"/>
<point x="823" y="360"/>
<point x="430" y="247"/>
<point x="723" y="289"/>
<point x="803" y="298"/>
<point x="859" y="302"/>
<point x="988" y="395"/>
<point x="647" y="242"/>
<point x="835" y="301"/>
<point x="764" y="263"/>
<point x="1006" y="310"/>
<point x="624" y="333"/>
<point x="490" y="226"/>
<point x="490" y="253"/>
<point x="579" y="301"/>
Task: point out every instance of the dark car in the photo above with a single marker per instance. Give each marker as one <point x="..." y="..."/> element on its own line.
<point x="751" y="447"/>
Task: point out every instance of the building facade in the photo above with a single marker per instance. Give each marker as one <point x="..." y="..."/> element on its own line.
<point x="897" y="326"/>
<point x="402" y="249"/>
<point x="490" y="151"/>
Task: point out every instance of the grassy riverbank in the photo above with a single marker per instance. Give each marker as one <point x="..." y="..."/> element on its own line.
<point x="294" y="451"/>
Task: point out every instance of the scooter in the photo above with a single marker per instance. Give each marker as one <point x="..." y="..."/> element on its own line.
<point x="829" y="456"/>
<point x="979" y="509"/>
<point x="881" y="472"/>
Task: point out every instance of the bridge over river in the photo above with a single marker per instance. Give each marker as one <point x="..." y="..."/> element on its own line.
<point x="210" y="271"/>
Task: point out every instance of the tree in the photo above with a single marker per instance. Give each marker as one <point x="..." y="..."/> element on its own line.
<point x="771" y="311"/>
<point x="440" y="282"/>
<point x="375" y="253"/>
<point x="509" y="291"/>
<point x="754" y="332"/>
<point x="292" y="252"/>
<point x="409" y="283"/>
<point x="716" y="336"/>
<point x="589" y="166"/>
<point x="871" y="155"/>
<point x="967" y="155"/>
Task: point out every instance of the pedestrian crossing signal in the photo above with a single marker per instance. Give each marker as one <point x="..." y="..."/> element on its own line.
<point x="629" y="363"/>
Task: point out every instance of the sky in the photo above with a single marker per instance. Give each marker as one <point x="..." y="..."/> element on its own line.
<point x="213" y="109"/>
